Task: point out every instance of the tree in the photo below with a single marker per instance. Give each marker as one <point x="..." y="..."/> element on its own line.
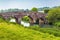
<point x="53" y="15"/>
<point x="46" y="10"/>
<point x="26" y="19"/>
<point x="27" y="10"/>
<point x="2" y="11"/>
<point x="34" y="9"/>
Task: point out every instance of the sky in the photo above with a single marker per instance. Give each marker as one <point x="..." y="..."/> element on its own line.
<point x="28" y="4"/>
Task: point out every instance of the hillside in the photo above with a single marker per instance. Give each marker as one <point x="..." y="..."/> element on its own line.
<point x="10" y="31"/>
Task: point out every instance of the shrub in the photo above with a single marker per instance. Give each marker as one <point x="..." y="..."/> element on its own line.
<point x="35" y="27"/>
<point x="46" y="10"/>
<point x="53" y="31"/>
<point x="53" y="15"/>
<point x="34" y="9"/>
<point x="1" y="19"/>
<point x="57" y="24"/>
<point x="26" y="19"/>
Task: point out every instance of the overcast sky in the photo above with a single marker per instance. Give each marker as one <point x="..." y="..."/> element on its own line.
<point x="24" y="4"/>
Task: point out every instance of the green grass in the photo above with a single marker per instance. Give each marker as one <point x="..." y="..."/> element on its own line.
<point x="10" y="31"/>
<point x="53" y="30"/>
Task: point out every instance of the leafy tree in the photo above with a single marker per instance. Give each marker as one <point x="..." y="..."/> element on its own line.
<point x="26" y="18"/>
<point x="2" y="11"/>
<point x="56" y="7"/>
<point x="34" y="9"/>
<point x="46" y="10"/>
<point x="54" y="15"/>
<point x="27" y="10"/>
<point x="43" y="8"/>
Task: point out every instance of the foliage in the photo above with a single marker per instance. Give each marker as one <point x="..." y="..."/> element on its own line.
<point x="54" y="31"/>
<point x="54" y="15"/>
<point x="57" y="24"/>
<point x="1" y="19"/>
<point x="10" y="31"/>
<point x="35" y="27"/>
<point x="26" y="19"/>
<point x="43" y="8"/>
<point x="34" y="9"/>
<point x="46" y="10"/>
<point x="12" y="10"/>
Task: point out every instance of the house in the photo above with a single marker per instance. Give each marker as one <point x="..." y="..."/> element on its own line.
<point x="35" y="17"/>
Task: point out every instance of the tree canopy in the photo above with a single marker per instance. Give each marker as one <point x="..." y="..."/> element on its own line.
<point x="26" y="18"/>
<point x="34" y="9"/>
<point x="54" y="15"/>
<point x="46" y="10"/>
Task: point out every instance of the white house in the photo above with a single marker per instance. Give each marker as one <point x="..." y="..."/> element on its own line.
<point x="12" y="20"/>
<point x="25" y="24"/>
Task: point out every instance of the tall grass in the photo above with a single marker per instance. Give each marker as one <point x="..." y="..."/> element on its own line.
<point x="9" y="31"/>
<point x="54" y="31"/>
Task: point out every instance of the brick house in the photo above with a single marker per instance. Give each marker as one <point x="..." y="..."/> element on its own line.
<point x="35" y="17"/>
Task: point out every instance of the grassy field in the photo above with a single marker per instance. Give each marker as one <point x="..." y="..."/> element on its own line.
<point x="9" y="31"/>
<point x="51" y="30"/>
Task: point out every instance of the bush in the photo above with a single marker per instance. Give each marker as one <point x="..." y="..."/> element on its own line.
<point x="35" y="27"/>
<point x="26" y="19"/>
<point x="46" y="10"/>
<point x="57" y="24"/>
<point x="53" y="31"/>
<point x="53" y="15"/>
<point x="34" y="9"/>
<point x="1" y="19"/>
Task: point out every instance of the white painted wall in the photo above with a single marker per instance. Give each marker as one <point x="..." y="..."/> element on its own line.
<point x="25" y="24"/>
<point x="12" y="20"/>
<point x="41" y="11"/>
